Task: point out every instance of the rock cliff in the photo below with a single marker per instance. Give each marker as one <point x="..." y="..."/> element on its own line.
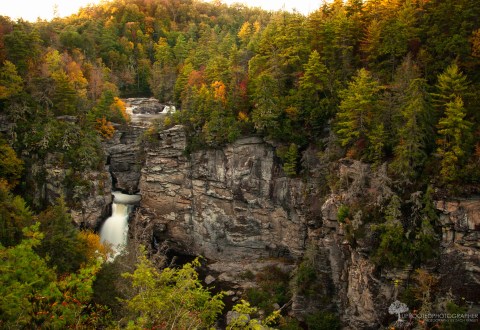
<point x="125" y="158"/>
<point x="227" y="204"/>
<point x="236" y="207"/>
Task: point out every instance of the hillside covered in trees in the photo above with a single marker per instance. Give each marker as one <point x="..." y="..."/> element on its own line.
<point x="391" y="83"/>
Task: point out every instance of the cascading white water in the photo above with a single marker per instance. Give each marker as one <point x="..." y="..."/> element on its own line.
<point x="114" y="230"/>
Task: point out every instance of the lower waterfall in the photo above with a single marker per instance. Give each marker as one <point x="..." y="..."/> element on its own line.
<point x="114" y="230"/>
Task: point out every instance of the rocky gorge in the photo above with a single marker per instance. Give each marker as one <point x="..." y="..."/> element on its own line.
<point x="237" y="208"/>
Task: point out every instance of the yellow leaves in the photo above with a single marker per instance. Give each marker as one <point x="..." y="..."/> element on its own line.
<point x="475" y="40"/>
<point x="256" y="27"/>
<point x="75" y="75"/>
<point x="118" y="106"/>
<point x="292" y="112"/>
<point x="93" y="247"/>
<point x="245" y="31"/>
<point x="11" y="167"/>
<point x="105" y="128"/>
<point x="243" y="117"/>
<point x="11" y="83"/>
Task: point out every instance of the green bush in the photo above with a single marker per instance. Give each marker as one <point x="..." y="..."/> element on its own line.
<point x="343" y="213"/>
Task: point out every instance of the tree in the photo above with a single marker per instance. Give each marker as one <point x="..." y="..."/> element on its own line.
<point x="23" y="46"/>
<point x="243" y="321"/>
<point x="393" y="249"/>
<point x="455" y="134"/>
<point x="172" y="298"/>
<point x="11" y="167"/>
<point x="64" y="97"/>
<point x="266" y="109"/>
<point x="316" y="93"/>
<point x="290" y="160"/>
<point x="14" y="216"/>
<point x="62" y="243"/>
<point x="11" y="84"/>
<point x="31" y="295"/>
<point x="358" y="108"/>
<point x="410" y="151"/>
<point x="452" y="83"/>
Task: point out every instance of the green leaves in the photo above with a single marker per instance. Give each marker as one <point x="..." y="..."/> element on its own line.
<point x="32" y="296"/>
<point x="171" y="298"/>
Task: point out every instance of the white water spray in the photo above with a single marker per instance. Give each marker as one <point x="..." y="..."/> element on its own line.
<point x="114" y="230"/>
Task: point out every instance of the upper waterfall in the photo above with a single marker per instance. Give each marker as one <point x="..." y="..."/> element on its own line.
<point x="114" y="231"/>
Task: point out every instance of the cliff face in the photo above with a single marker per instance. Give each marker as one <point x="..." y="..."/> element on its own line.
<point x="460" y="259"/>
<point x="223" y="204"/>
<point x="89" y="194"/>
<point x="125" y="158"/>
<point x="236" y="207"/>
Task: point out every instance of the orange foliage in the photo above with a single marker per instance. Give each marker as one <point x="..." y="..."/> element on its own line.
<point x="93" y="247"/>
<point x="195" y="78"/>
<point x="219" y="91"/>
<point x="118" y="106"/>
<point x="105" y="128"/>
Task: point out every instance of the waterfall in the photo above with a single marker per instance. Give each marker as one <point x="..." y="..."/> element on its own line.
<point x="115" y="229"/>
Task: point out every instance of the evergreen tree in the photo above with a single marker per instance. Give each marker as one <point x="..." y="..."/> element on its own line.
<point x="454" y="138"/>
<point x="290" y="160"/>
<point x="393" y="249"/>
<point x="11" y="84"/>
<point x="410" y="152"/>
<point x="62" y="244"/>
<point x="452" y="83"/>
<point x="358" y="109"/>
<point x="14" y="216"/>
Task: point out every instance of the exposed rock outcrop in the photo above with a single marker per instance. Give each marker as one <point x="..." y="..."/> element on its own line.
<point x="144" y="105"/>
<point x="89" y="196"/>
<point x="223" y="204"/>
<point x="460" y="260"/>
<point x="125" y="158"/>
<point x="236" y="207"/>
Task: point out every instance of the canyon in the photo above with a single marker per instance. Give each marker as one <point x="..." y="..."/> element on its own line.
<point x="237" y="208"/>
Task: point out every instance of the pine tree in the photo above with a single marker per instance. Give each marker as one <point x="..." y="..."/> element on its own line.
<point x="358" y="107"/>
<point x="410" y="152"/>
<point x="393" y="248"/>
<point x="290" y="160"/>
<point x="455" y="134"/>
<point x="452" y="83"/>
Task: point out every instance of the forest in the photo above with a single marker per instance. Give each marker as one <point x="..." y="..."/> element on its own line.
<point x="391" y="83"/>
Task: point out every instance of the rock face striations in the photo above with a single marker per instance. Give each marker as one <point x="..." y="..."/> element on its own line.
<point x="224" y="204"/>
<point x="125" y="158"/>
